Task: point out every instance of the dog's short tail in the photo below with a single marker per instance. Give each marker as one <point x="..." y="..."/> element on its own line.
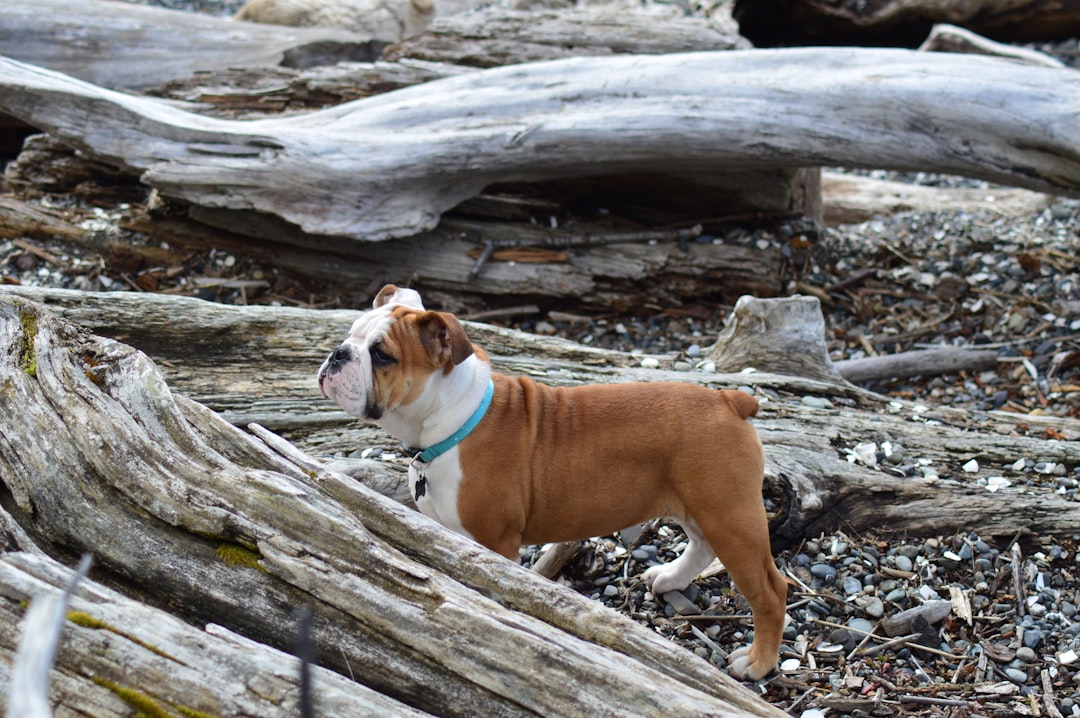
<point x="743" y="404"/>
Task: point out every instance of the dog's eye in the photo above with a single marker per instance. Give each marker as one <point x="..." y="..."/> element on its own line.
<point x="380" y="357"/>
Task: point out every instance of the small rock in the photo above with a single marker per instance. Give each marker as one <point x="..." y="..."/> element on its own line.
<point x="611" y="590"/>
<point x="694" y="350"/>
<point x="1016" y="675"/>
<point x="852" y="585"/>
<point x="816" y="402"/>
<point x="650" y="363"/>
<point x="898" y="596"/>
<point x="683" y="366"/>
<point x="825" y="572"/>
<point x="682" y="605"/>
<point x="1024" y="654"/>
<point x="903" y="563"/>
<point x="909" y="550"/>
<point x="860" y="626"/>
<point x="874" y="608"/>
<point x="789" y="665"/>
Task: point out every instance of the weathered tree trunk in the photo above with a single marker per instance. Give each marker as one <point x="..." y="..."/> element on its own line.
<point x="496" y="36"/>
<point x="201" y="518"/>
<point x="388" y="166"/>
<point x="119" y="44"/>
<point x="847" y="198"/>
<point x="255" y="364"/>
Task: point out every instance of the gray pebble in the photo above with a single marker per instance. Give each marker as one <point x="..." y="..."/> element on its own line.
<point x="611" y="590"/>
<point x="682" y="605"/>
<point x="861" y="625"/>
<point x="1032" y="638"/>
<point x="1025" y="654"/>
<point x="683" y="366"/>
<point x="1016" y="675"/>
<point x="909" y="551"/>
<point x="852" y="585"/>
<point x="903" y="563"/>
<point x="898" y="596"/>
<point x="825" y="572"/>
<point x="875" y="608"/>
<point x="694" y="350"/>
<point x="816" y="402"/>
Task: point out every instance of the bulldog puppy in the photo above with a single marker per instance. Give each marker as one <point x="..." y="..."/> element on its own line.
<point x="508" y="461"/>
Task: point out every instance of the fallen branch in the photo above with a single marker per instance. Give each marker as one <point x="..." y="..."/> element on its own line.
<point x="211" y="352"/>
<point x="926" y="362"/>
<point x="388" y="166"/>
<point x="172" y="501"/>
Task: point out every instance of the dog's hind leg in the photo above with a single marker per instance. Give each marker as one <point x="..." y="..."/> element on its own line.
<point x="678" y="574"/>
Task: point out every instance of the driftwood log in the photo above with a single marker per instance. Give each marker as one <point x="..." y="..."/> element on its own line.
<point x="237" y="529"/>
<point x="388" y="166"/>
<point x="207" y="352"/>
<point x="495" y="36"/>
<point x="148" y="46"/>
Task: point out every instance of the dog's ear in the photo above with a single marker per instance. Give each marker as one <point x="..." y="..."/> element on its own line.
<point x="392" y="294"/>
<point x="444" y="338"/>
<point x="385" y="295"/>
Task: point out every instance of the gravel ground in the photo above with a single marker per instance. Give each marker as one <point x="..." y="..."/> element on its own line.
<point x="945" y="625"/>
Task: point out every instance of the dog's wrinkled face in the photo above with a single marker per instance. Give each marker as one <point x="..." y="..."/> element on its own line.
<point x="390" y="355"/>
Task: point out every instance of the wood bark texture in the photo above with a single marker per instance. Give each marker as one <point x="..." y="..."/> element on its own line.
<point x="388" y="166"/>
<point x="208" y="353"/>
<point x="217" y="525"/>
<point x="147" y="46"/>
<point x="496" y="36"/>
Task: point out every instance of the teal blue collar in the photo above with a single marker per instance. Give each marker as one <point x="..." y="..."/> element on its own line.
<point x="435" y="451"/>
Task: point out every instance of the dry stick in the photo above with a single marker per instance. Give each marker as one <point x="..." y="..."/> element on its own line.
<point x="905" y="639"/>
<point x="1049" y="703"/>
<point x="1018" y="583"/>
<point x="930" y="701"/>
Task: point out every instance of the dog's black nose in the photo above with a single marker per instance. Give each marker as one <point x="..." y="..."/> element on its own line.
<point x="340" y="356"/>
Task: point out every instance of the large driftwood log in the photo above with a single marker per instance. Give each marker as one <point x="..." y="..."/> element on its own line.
<point x="148" y="46"/>
<point x="390" y="165"/>
<point x="118" y="654"/>
<point x="209" y="351"/>
<point x="496" y="36"/>
<point x="206" y="520"/>
<point x="655" y="268"/>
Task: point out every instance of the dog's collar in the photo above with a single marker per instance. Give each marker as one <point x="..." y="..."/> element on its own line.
<point x="436" y="450"/>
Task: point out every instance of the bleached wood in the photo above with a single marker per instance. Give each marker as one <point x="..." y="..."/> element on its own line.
<point x="114" y="643"/>
<point x="163" y="492"/>
<point x="122" y="44"/>
<point x="209" y="352"/>
<point x="389" y="165"/>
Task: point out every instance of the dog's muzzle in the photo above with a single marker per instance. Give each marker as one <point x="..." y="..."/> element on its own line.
<point x="333" y="364"/>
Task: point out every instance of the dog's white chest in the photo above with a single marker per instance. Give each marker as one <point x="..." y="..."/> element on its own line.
<point x="434" y="488"/>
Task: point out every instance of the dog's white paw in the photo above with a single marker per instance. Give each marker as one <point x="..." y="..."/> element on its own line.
<point x="664" y="578"/>
<point x="741" y="667"/>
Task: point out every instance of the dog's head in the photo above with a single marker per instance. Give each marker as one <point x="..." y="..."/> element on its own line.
<point x="392" y="354"/>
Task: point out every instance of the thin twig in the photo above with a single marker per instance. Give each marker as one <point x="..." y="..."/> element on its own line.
<point x="1049" y="704"/>
<point x="1018" y="581"/>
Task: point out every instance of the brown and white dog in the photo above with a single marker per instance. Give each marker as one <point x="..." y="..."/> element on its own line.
<point x="508" y="461"/>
